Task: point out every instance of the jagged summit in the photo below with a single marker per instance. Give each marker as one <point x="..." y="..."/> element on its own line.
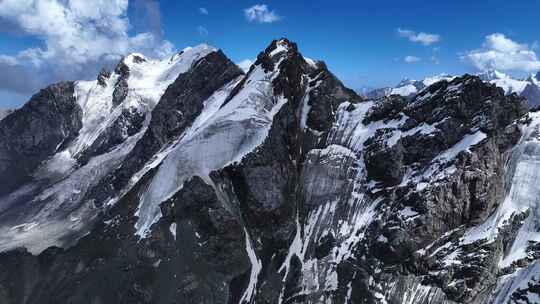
<point x="492" y="75"/>
<point x="186" y="180"/>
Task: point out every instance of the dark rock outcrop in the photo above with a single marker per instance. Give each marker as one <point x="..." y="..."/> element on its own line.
<point x="104" y="74"/>
<point x="121" y="87"/>
<point x="31" y="134"/>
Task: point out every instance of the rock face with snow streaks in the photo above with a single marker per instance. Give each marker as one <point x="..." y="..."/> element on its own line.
<point x="35" y="132"/>
<point x="528" y="88"/>
<point x="187" y="181"/>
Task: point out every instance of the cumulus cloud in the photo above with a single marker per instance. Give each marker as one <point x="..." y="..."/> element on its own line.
<point x="261" y="14"/>
<point x="411" y="59"/>
<point x="423" y="38"/>
<point x="245" y="64"/>
<point x="78" y="38"/>
<point x="499" y="52"/>
<point x="203" y="11"/>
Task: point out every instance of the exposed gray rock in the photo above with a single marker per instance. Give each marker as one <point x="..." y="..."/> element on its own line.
<point x="127" y="124"/>
<point x="121" y="87"/>
<point x="36" y="131"/>
<point x="103" y="76"/>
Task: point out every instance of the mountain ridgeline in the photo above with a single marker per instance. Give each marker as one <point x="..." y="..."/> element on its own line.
<point x="528" y="88"/>
<point x="186" y="180"/>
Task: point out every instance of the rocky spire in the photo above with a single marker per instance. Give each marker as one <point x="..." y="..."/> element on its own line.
<point x="104" y="74"/>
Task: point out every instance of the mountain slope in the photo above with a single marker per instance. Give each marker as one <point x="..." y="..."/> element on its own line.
<point x="4" y="113"/>
<point x="188" y="181"/>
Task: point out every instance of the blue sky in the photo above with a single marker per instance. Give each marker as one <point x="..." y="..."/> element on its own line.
<point x="365" y="43"/>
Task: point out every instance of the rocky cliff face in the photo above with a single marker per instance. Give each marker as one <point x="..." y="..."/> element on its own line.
<point x="35" y="132"/>
<point x="188" y="181"/>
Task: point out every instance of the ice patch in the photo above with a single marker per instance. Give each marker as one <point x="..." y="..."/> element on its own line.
<point x="172" y="229"/>
<point x="523" y="195"/>
<point x="464" y="144"/>
<point x="224" y="135"/>
<point x="256" y="267"/>
<point x="524" y="279"/>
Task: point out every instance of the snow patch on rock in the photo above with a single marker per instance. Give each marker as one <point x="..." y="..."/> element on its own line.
<point x="223" y="136"/>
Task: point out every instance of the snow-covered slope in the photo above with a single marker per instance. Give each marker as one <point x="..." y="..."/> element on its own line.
<point x="221" y="135"/>
<point x="504" y="81"/>
<point x="56" y="197"/>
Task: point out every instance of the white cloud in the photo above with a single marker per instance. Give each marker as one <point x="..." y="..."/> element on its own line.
<point x="411" y="59"/>
<point x="501" y="53"/>
<point x="203" y="11"/>
<point x="202" y="30"/>
<point x="79" y="37"/>
<point x="261" y="14"/>
<point x="423" y="38"/>
<point x="245" y="64"/>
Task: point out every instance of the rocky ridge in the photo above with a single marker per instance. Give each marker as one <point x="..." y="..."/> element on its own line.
<point x="528" y="88"/>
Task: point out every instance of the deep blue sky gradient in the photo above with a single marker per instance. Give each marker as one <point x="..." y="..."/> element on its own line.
<point x="357" y="39"/>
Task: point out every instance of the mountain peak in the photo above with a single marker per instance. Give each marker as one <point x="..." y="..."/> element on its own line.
<point x="492" y="75"/>
<point x="280" y="46"/>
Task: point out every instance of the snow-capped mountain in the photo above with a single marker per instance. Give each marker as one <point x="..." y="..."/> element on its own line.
<point x="186" y="180"/>
<point x="528" y="88"/>
<point x="408" y="87"/>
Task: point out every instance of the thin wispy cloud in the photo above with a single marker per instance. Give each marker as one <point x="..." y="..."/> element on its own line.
<point x="412" y="59"/>
<point x="499" y="52"/>
<point x="260" y="13"/>
<point x="423" y="38"/>
<point x="202" y="31"/>
<point x="434" y="55"/>
<point x="79" y="38"/>
<point x="203" y="11"/>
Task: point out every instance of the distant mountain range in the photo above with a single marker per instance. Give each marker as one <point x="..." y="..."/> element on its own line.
<point x="528" y="88"/>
